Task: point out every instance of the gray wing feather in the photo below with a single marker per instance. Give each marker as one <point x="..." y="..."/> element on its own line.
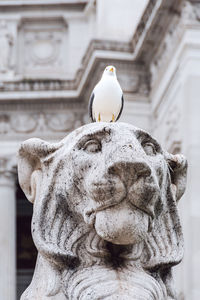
<point x="90" y="107"/>
<point x="121" y="108"/>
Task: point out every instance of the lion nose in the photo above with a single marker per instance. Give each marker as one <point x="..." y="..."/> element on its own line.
<point x="129" y="172"/>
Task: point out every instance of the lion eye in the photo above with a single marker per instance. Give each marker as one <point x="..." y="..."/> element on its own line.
<point x="92" y="146"/>
<point x="149" y="148"/>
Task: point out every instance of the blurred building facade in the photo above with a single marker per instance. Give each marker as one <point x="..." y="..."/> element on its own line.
<point x="52" y="53"/>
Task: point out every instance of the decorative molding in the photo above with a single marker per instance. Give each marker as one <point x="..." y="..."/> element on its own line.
<point x="39" y="123"/>
<point x="73" y="4"/>
<point x="42" y="47"/>
<point x="105" y="45"/>
<point x="55" y="105"/>
<point x="23" y="123"/>
<point x="6" y="43"/>
<point x="37" y="85"/>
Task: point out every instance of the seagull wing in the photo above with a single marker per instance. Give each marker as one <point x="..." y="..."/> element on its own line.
<point x="122" y="99"/>
<point x="90" y="106"/>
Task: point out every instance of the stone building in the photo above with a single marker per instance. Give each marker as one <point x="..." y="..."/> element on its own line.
<point x="52" y="53"/>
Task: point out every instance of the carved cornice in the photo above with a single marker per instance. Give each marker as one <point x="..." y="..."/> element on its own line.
<point x="38" y="85"/>
<point x="139" y="51"/>
<point x="53" y="105"/>
<point x="188" y="16"/>
<point x="156" y="26"/>
<point x="13" y="4"/>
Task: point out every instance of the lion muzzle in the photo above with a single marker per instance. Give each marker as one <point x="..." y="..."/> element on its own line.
<point x="114" y="215"/>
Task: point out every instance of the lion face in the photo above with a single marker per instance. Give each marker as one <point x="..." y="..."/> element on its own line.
<point x="112" y="178"/>
<point x="122" y="179"/>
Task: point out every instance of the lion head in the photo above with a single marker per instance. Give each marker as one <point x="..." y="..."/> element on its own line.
<point x="105" y="195"/>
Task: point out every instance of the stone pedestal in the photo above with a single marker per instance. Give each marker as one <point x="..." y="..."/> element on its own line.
<point x="7" y="230"/>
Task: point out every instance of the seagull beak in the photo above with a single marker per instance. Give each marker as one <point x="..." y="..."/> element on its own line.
<point x="111" y="69"/>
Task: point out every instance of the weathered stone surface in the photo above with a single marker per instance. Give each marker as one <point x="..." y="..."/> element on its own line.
<point x="105" y="219"/>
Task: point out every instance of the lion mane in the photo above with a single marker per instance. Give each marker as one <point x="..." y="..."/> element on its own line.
<point x="74" y="260"/>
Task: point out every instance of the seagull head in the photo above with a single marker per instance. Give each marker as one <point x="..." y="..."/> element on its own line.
<point x="110" y="71"/>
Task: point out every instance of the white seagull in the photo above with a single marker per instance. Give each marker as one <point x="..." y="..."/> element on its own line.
<point x="106" y="102"/>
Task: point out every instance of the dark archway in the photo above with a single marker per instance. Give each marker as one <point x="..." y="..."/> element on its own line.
<point x="26" y="251"/>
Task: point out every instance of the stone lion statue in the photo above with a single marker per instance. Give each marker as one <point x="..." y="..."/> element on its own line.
<point x="105" y="219"/>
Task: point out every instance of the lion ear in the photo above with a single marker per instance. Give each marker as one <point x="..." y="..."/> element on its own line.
<point x="30" y="157"/>
<point x="178" y="171"/>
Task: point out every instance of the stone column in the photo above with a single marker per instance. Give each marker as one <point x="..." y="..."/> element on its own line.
<point x="191" y="210"/>
<point x="7" y="230"/>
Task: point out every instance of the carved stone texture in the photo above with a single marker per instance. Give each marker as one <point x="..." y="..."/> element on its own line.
<point x="43" y="47"/>
<point x="105" y="219"/>
<point x="6" y="43"/>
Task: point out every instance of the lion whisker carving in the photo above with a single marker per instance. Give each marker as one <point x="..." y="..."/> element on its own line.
<point x="105" y="219"/>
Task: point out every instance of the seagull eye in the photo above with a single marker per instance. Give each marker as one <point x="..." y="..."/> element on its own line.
<point x="149" y="148"/>
<point x="92" y="146"/>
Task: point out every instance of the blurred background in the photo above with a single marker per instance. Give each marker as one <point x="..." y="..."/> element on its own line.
<point x="52" y="53"/>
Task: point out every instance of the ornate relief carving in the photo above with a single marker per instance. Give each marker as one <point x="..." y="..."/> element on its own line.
<point x="60" y="122"/>
<point x="43" y="47"/>
<point x="23" y="123"/>
<point x="37" y="123"/>
<point x="6" y="44"/>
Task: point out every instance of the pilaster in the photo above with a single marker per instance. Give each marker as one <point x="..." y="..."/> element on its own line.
<point x="7" y="232"/>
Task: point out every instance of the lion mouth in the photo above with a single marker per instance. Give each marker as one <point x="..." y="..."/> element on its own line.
<point x="129" y="196"/>
<point x="90" y="214"/>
